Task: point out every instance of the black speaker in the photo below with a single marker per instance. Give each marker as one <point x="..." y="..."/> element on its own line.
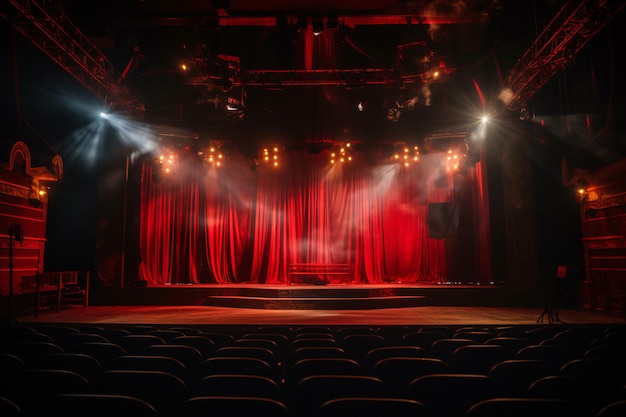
<point x="441" y="220"/>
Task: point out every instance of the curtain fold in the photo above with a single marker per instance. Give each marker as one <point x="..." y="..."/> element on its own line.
<point x="230" y="224"/>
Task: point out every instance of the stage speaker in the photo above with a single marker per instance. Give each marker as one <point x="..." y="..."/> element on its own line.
<point x="441" y="220"/>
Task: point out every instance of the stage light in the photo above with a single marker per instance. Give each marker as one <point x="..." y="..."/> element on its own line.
<point x="104" y="115"/>
<point x="212" y="155"/>
<point x="343" y="153"/>
<point x="363" y="105"/>
<point x="581" y="190"/>
<point x="393" y="114"/>
<point x="407" y="155"/>
<point x="271" y="156"/>
<point x="318" y="26"/>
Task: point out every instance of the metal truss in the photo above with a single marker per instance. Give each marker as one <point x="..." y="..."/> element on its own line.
<point x="57" y="37"/>
<point x="347" y="77"/>
<point x="570" y="30"/>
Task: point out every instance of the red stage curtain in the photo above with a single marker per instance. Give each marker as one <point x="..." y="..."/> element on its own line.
<point x="230" y="224"/>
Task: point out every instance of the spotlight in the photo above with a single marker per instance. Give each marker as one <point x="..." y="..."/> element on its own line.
<point x="393" y="114"/>
<point x="318" y="26"/>
<point x="581" y="190"/>
<point x="363" y="105"/>
<point x="104" y="115"/>
<point x="270" y="156"/>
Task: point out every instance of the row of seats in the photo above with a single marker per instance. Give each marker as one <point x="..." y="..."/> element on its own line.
<point x="463" y="371"/>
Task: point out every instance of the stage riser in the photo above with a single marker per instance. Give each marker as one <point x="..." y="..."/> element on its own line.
<point x="313" y="298"/>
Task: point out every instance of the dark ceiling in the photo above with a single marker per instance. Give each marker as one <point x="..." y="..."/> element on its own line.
<point x="381" y="53"/>
<point x="474" y="41"/>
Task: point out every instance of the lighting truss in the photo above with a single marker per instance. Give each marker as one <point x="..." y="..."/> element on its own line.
<point x="57" y="37"/>
<point x="573" y="26"/>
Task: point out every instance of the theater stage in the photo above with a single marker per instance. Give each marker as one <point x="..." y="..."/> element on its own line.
<point x="316" y="297"/>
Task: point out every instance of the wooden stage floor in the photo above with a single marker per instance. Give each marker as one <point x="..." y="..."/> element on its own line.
<point x="209" y="315"/>
<point x="238" y="304"/>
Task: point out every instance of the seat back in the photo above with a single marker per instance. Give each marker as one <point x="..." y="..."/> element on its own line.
<point x="373" y="407"/>
<point x="231" y="406"/>
<point x="451" y="395"/>
<point x="95" y="405"/>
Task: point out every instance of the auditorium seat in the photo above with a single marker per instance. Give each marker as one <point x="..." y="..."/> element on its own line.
<point x="478" y="336"/>
<point x="451" y="395"/>
<point x="135" y="344"/>
<point x="231" y="407"/>
<point x="203" y="344"/>
<point x="613" y="409"/>
<point x="8" y="408"/>
<point x="95" y="405"/>
<point x="112" y="334"/>
<point x="524" y="407"/>
<point x="376" y="354"/>
<point x="393" y="334"/>
<point x="248" y="352"/>
<point x="398" y="372"/>
<point x="237" y="385"/>
<point x="81" y="363"/>
<point x="188" y="355"/>
<point x="477" y="359"/>
<point x="512" y="344"/>
<point x="423" y="339"/>
<point x="160" y="389"/>
<point x="150" y="363"/>
<point x="237" y="365"/>
<point x="70" y="338"/>
<point x="373" y="407"/>
<point x="313" y="341"/>
<point x="514" y="376"/>
<point x="55" y="330"/>
<point x="311" y="392"/>
<point x="28" y="386"/>
<point x="321" y="366"/>
<point x="343" y="331"/>
<point x="315" y="352"/>
<point x="265" y="344"/>
<point x="280" y="340"/>
<point x="103" y="352"/>
<point x="166" y="334"/>
<point x="557" y="354"/>
<point x="443" y="348"/>
<point x="358" y="345"/>
<point x="27" y="350"/>
<point x="219" y="338"/>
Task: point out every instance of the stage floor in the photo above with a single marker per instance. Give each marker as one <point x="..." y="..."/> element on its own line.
<point x="209" y="315"/>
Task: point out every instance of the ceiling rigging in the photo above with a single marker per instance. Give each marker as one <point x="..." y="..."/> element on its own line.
<point x="63" y="42"/>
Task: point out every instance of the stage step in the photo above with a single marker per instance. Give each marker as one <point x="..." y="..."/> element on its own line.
<point x="315" y="303"/>
<point x="320" y="297"/>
